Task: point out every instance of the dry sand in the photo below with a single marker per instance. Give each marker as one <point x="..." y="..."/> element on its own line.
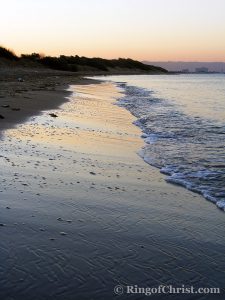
<point x="81" y="212"/>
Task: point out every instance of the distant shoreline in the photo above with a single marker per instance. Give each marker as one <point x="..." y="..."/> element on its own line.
<point x="191" y="66"/>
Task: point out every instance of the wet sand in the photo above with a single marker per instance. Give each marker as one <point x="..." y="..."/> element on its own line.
<point x="26" y="92"/>
<point x="81" y="212"/>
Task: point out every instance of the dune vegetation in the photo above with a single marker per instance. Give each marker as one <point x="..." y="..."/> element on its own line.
<point x="79" y="63"/>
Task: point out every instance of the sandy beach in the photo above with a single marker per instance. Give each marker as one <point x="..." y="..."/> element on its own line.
<point x="25" y="92"/>
<point x="81" y="212"/>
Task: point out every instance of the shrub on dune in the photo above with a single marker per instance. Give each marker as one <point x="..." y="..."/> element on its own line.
<point x="8" y="54"/>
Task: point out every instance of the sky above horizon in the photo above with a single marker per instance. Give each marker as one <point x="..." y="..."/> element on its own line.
<point x="154" y="30"/>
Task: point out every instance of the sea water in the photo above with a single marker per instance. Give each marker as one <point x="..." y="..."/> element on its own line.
<point x="183" y="122"/>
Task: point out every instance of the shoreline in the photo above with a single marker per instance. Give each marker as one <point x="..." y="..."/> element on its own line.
<point x="86" y="213"/>
<point x="27" y="92"/>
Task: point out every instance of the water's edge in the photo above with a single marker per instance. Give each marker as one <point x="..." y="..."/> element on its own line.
<point x="181" y="146"/>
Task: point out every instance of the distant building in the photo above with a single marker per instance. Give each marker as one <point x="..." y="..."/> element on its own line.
<point x="185" y="71"/>
<point x="201" y="70"/>
<point x="178" y="66"/>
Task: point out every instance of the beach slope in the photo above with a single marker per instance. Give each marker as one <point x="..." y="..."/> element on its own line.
<point x="81" y="212"/>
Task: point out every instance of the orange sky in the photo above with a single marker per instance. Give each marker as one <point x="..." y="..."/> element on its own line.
<point x="157" y="30"/>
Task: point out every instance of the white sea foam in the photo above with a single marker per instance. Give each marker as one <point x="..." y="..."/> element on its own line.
<point x="221" y="204"/>
<point x="182" y="146"/>
<point x="182" y="121"/>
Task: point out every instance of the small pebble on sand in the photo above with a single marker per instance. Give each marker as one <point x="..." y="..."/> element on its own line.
<point x="63" y="233"/>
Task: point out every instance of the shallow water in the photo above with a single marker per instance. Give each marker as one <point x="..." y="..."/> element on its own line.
<point x="183" y="123"/>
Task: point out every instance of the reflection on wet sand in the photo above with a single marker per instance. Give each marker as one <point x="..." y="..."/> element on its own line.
<point x="81" y="211"/>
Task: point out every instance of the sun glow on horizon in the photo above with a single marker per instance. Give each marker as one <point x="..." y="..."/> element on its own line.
<point x="153" y="30"/>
